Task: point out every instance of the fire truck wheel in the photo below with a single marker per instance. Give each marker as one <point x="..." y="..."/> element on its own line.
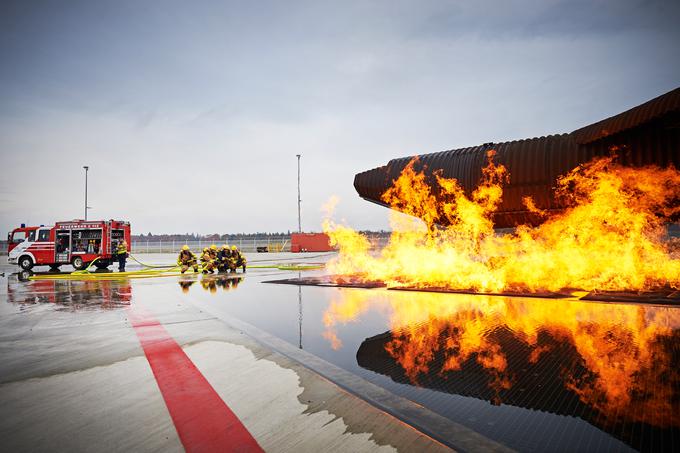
<point x="26" y="262"/>
<point x="78" y="263"/>
<point x="102" y="264"/>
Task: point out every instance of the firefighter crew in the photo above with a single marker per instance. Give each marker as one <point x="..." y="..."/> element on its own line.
<point x="121" y="254"/>
<point x="239" y="259"/>
<point x="207" y="261"/>
<point x="187" y="259"/>
<point x="223" y="258"/>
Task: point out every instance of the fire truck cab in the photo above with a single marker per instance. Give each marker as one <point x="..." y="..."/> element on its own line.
<point x="76" y="242"/>
<point x="19" y="235"/>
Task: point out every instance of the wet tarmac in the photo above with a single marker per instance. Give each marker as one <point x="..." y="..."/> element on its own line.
<point x="530" y="374"/>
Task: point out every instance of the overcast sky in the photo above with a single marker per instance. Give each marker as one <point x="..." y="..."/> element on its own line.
<point x="190" y="114"/>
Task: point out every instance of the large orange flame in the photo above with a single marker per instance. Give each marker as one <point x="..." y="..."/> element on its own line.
<point x="611" y="237"/>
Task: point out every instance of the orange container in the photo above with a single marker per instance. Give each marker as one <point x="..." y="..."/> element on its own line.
<point x="310" y="242"/>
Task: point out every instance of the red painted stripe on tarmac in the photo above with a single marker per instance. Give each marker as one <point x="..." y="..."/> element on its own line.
<point x="203" y="420"/>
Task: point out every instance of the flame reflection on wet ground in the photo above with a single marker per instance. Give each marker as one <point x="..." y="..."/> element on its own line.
<point x="614" y="366"/>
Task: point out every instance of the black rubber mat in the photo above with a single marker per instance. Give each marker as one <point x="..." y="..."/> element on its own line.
<point x="438" y="289"/>
<point x="328" y="280"/>
<point x="663" y="296"/>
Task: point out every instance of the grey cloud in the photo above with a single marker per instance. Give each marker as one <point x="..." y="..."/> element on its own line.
<point x="226" y="93"/>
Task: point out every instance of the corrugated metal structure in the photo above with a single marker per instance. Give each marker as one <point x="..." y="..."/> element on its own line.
<point x="648" y="134"/>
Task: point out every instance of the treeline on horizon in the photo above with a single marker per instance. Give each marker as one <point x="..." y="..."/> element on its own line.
<point x="673" y="230"/>
<point x="225" y="237"/>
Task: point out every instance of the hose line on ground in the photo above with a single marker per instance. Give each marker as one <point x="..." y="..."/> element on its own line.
<point x="153" y="266"/>
<point x="85" y="274"/>
<point x="155" y="271"/>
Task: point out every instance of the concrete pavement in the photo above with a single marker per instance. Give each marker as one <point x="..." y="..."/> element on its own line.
<point x="78" y="379"/>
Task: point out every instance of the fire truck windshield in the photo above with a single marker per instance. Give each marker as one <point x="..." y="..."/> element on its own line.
<point x="18" y="236"/>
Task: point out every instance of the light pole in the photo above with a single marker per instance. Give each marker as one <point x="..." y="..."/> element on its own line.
<point x="300" y="313"/>
<point x="299" y="218"/>
<point x="86" y="207"/>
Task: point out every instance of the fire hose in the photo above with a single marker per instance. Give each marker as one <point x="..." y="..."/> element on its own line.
<point x="149" y="271"/>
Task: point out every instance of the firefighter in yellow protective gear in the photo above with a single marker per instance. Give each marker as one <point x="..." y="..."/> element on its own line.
<point x="223" y="258"/>
<point x="213" y="252"/>
<point x="187" y="259"/>
<point x="238" y="258"/>
<point x="207" y="261"/>
<point x="121" y="254"/>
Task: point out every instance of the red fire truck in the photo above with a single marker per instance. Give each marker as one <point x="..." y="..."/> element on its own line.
<point x="76" y="242"/>
<point x="18" y="235"/>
